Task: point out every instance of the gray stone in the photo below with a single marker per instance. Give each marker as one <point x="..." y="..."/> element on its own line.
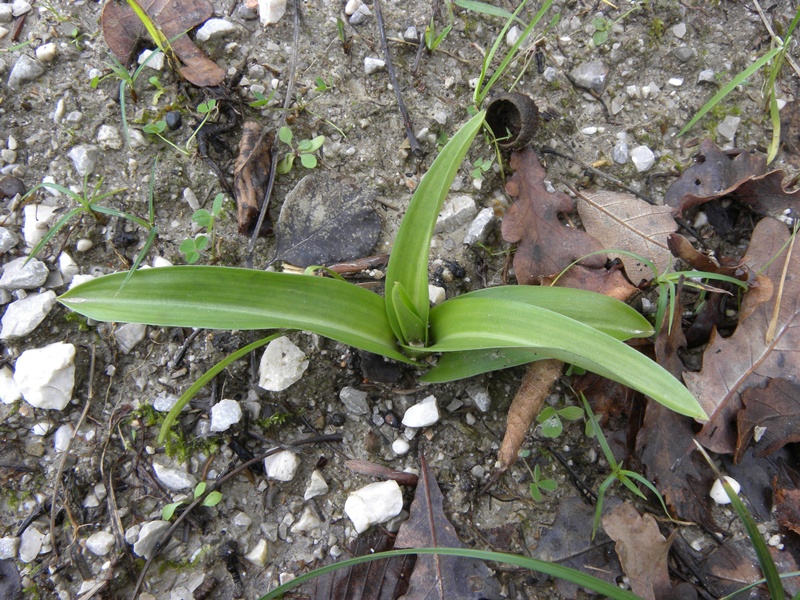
<point x="62" y="436"/>
<point x="109" y="137"/>
<point x="282" y="364"/>
<point x="149" y="535"/>
<point x="164" y="402"/>
<point x="727" y="129"/>
<point x="683" y="53"/>
<point x="307" y="522"/>
<point x="355" y="401"/>
<point x="25" y="70"/>
<point x="360" y="15"/>
<point x="374" y="503"/>
<point x="30" y="544"/>
<point x="550" y="74"/>
<point x="620" y="153"/>
<point x="679" y="30"/>
<point x="84" y="158"/>
<point x="224" y="414"/>
<point x="590" y="75"/>
<point x="457" y="211"/>
<point x="7" y="240"/>
<point x="23" y="316"/>
<point x="643" y="158"/>
<point x="373" y="65"/>
<point x="6" y="13"/>
<point x="174" y="479"/>
<point x="38" y="218"/>
<point x="242" y="520"/>
<point x="423" y="414"/>
<point x="480" y="396"/>
<point x="410" y="35"/>
<point x="282" y="465"/>
<point x="128" y="335"/>
<point x="20" y="7"/>
<point x="9" y="546"/>
<point x="316" y="486"/>
<point x="46" y="376"/>
<point x="258" y="555"/>
<point x="480" y="227"/>
<point x="214" y="29"/>
<point x="100" y="543"/>
<point x="271" y="11"/>
<point x="707" y="76"/>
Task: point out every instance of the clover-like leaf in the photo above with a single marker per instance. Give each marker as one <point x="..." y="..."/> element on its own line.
<point x="309" y="161"/>
<point x="285" y="135"/>
<point x="155" y="128"/>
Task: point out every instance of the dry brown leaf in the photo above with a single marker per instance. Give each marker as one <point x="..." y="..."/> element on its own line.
<point x="683" y="249"/>
<point x="775" y="410"/>
<point x="251" y="175"/>
<point x="546" y="246"/>
<point x="786" y="489"/>
<point x="641" y="549"/>
<point x="372" y="469"/>
<point x="621" y="221"/>
<point x="122" y="31"/>
<point x="611" y="282"/>
<point x="744" y="360"/>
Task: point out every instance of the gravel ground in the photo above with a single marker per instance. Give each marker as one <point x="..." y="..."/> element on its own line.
<point x="658" y="65"/>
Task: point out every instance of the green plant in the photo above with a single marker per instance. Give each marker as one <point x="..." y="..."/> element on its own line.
<point x="775" y="58"/>
<point x="156" y="83"/>
<point x="212" y="499"/>
<point x="207" y="109"/>
<point x="192" y="248"/>
<point x="432" y="39"/>
<point x="260" y="99"/>
<point x="304" y="151"/>
<point x="624" y="476"/>
<point x="603" y="25"/>
<point x="323" y="85"/>
<point x="478" y="330"/>
<point x="538" y="484"/>
<point x="549" y="419"/>
<point x="482" y="165"/>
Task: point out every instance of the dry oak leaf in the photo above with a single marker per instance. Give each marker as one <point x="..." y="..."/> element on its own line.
<point x="733" y="173"/>
<point x="251" y="175"/>
<point x="786" y="491"/>
<point x="682" y="248"/>
<point x="621" y="221"/>
<point x="773" y="411"/>
<point x="123" y="30"/>
<point x="746" y="359"/>
<point x="546" y="246"/>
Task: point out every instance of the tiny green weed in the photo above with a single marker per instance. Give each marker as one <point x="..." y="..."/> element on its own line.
<point x="212" y="499"/>
<point x="550" y="419"/>
<point x="432" y="39"/>
<point x="538" y="483"/>
<point x="206" y="109"/>
<point x="323" y="85"/>
<point x="482" y="165"/>
<point x="260" y="99"/>
<point x="304" y="150"/>
<point x="192" y="248"/>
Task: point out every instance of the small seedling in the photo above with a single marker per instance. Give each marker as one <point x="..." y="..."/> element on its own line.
<point x="156" y="83"/>
<point x="207" y="109"/>
<point x="304" y="151"/>
<point x="603" y="25"/>
<point x="212" y="499"/>
<point x="432" y="40"/>
<point x="192" y="248"/>
<point x="260" y="99"/>
<point x="538" y="485"/>
<point x="482" y="165"/>
<point x="550" y="419"/>
<point x="322" y="85"/>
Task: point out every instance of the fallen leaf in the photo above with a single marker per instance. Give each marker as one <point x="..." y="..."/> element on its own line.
<point x="568" y="542"/>
<point x="642" y="551"/>
<point x="786" y="486"/>
<point x="546" y="246"/>
<point x="621" y="221"/>
<point x="682" y="248"/>
<point x="756" y="476"/>
<point x="326" y="220"/>
<point x="730" y="567"/>
<point x="745" y="359"/>
<point x="123" y="30"/>
<point x="372" y="469"/>
<point x="251" y="175"/>
<point x="611" y="282"/>
<point x="773" y="412"/>
<point x="438" y="576"/>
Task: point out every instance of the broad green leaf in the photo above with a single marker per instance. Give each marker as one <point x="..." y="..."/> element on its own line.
<point x="463" y="325"/>
<point x="453" y="366"/>
<point x="169" y="510"/>
<point x="212" y="499"/>
<point x="571" y="413"/>
<point x="535" y="493"/>
<point x="408" y="264"/>
<point x="285" y="135"/>
<point x="202" y="217"/>
<point x="216" y="206"/>
<point x="309" y="161"/>
<point x="548" y="484"/>
<point x="199" y="489"/>
<point x="285" y="164"/>
<point x="413" y="328"/>
<point x="231" y="298"/>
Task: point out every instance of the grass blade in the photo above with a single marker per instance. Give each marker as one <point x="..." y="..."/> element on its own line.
<point x="461" y="325"/>
<point x="231" y="298"/>
<point x="408" y="264"/>
<point x="573" y="575"/>
<point x="488" y="9"/>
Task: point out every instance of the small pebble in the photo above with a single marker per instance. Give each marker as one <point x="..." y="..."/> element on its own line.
<point x="62" y="437"/>
<point x="271" y="11"/>
<point x="174" y="478"/>
<point x="156" y="63"/>
<point x="149" y="535"/>
<point x="282" y="466"/>
<point x="679" y="30"/>
<point x="30" y="544"/>
<point x="360" y="15"/>
<point x="642" y="158"/>
<point x="683" y="53"/>
<point x="38" y="218"/>
<point x="373" y="65"/>
<point x="675" y="81"/>
<point x="225" y="414"/>
<point x="100" y="543"/>
<point x="47" y="52"/>
<point x="128" y="335"/>
<point x="718" y="493"/>
<point x="512" y="36"/>
<point x="351" y="7"/>
<point x="436" y="294"/>
<point x="423" y="414"/>
<point x="9" y="390"/>
<point x="374" y="503"/>
<point x="83" y="245"/>
<point x="214" y="29"/>
<point x="478" y="230"/>
<point x="258" y="555"/>
<point x="456" y="211"/>
<point x="727" y="129"/>
<point x="46" y="376"/>
<point x="410" y="35"/>
<point x="400" y="447"/>
<point x="20" y="7"/>
<point x="317" y="486"/>
<point x="108" y="137"/>
<point x="620" y="153"/>
<point x="355" y="401"/>
<point x="84" y="158"/>
<point x="590" y="76"/>
<point x="25" y="315"/>
<point x="25" y="70"/>
<point x="282" y="364"/>
<point x="707" y="76"/>
<point x="174" y="120"/>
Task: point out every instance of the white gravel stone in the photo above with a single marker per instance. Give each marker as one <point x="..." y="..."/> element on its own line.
<point x="480" y="396"/>
<point x="457" y="211"/>
<point x="84" y="245"/>
<point x="727" y="129"/>
<point x="41" y="428"/>
<point x="679" y="30"/>
<point x="351" y="7"/>
<point x="620" y="153"/>
<point x="160" y="261"/>
<point x="590" y="75"/>
<point x="156" y="63"/>
<point x="6" y="13"/>
<point x="9" y="390"/>
<point x="718" y="493"/>
<point x="355" y="401"/>
<point x="642" y="158"/>
<point x="411" y="35"/>
<point x="224" y="414"/>
<point x="47" y="52"/>
<point x="84" y="158"/>
<point x="149" y="535"/>
<point x="374" y="503"/>
<point x="100" y="543"/>
<point x="37" y="220"/>
<point x="271" y="11"/>
<point x="307" y="522"/>
<point x="423" y="414"/>
<point x="400" y="447"/>
<point x="436" y="294"/>
<point x="25" y="315"/>
<point x="30" y="544"/>
<point x="480" y="227"/>
<point x="373" y="65"/>
<point x="282" y="364"/>
<point x="707" y="76"/>
<point x="164" y="402"/>
<point x="62" y="436"/>
<point x="360" y="15"/>
<point x="513" y="36"/>
<point x="7" y="240"/>
<point x="317" y="486"/>
<point x="191" y="198"/>
<point x="242" y="520"/>
<point x="67" y="267"/>
<point x="214" y="29"/>
<point x="46" y="376"/>
<point x="9" y="546"/>
<point x="25" y="70"/>
<point x="109" y="137"/>
<point x="20" y="276"/>
<point x="128" y="335"/>
<point x="174" y="478"/>
<point x="282" y="466"/>
<point x="20" y="7"/>
<point x="675" y="81"/>
<point x="258" y="555"/>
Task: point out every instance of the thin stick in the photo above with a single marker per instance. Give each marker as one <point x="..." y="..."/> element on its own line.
<point x="773" y="323"/>
<point x="416" y="149"/>
<point x="214" y="487"/>
<point x="786" y="56"/>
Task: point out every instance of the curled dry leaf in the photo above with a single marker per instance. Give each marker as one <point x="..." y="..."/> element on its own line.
<point x="123" y="30"/>
<point x="745" y="359"/>
<point x="771" y="415"/>
<point x="683" y="249"/>
<point x="621" y="221"/>
<point x="251" y="175"/>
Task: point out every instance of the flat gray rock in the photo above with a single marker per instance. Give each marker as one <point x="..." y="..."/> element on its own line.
<point x="20" y="276"/>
